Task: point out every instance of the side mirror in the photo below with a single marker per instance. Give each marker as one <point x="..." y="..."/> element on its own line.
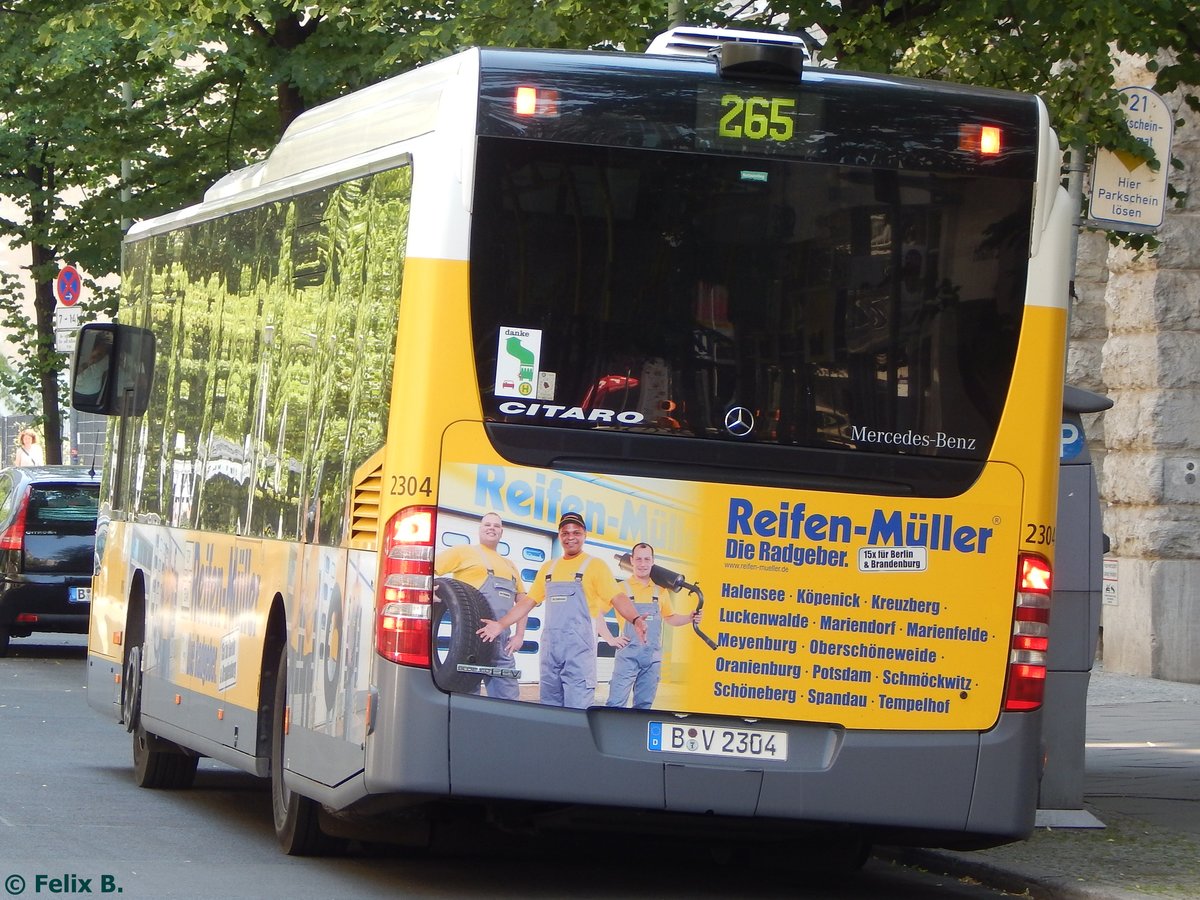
<point x="113" y="369"/>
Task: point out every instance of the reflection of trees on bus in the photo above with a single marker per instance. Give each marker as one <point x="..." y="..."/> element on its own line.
<point x="296" y="399"/>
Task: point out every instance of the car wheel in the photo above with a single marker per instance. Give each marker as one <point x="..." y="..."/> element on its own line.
<point x="5" y="636"/>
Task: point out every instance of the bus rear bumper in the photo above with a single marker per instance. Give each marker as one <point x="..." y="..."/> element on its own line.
<point x="946" y="788"/>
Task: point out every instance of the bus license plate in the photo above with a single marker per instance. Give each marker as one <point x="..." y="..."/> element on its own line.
<point x="79" y="595"/>
<point x="706" y="740"/>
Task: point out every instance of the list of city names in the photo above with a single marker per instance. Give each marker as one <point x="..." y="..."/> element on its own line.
<point x="838" y="649"/>
<point x="803" y="644"/>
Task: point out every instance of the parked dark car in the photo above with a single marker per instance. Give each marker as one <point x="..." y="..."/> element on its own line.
<point x="47" y="550"/>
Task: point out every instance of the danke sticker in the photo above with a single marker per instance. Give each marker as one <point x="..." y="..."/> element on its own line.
<point x="518" y="357"/>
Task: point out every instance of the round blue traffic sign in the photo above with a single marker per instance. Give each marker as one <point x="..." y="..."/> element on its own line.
<point x="68" y="285"/>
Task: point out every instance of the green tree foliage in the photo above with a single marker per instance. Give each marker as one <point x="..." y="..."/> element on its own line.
<point x="1063" y="51"/>
<point x="304" y="53"/>
<point x="67" y="127"/>
<point x="59" y="132"/>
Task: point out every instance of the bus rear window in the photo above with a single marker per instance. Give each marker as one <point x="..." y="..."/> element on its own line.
<point x="760" y="301"/>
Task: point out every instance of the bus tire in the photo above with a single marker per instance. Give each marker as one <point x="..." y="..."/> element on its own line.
<point x="131" y="687"/>
<point x="157" y="764"/>
<point x="465" y="607"/>
<point x="161" y="765"/>
<point x="297" y="818"/>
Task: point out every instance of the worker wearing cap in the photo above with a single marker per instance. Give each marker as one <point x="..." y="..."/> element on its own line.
<point x="482" y="567"/>
<point x="576" y="589"/>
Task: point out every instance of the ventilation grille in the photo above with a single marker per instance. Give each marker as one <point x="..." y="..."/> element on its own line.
<point x="364" y="503"/>
<point x="699" y="42"/>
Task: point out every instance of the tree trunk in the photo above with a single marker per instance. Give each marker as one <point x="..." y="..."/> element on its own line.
<point x="44" y="303"/>
<point x="41" y="178"/>
<point x="289" y="102"/>
<point x="289" y="34"/>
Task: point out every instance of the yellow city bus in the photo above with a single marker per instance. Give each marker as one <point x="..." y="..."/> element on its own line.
<point x="799" y="330"/>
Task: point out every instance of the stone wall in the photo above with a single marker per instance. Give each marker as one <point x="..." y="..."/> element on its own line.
<point x="1136" y="337"/>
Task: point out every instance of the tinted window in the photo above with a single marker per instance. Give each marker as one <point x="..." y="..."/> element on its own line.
<point x="840" y="307"/>
<point x="62" y="509"/>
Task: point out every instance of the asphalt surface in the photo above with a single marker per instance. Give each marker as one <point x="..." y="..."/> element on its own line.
<point x="1142" y="781"/>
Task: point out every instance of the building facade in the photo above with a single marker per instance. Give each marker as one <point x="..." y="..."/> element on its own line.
<point x="1135" y="337"/>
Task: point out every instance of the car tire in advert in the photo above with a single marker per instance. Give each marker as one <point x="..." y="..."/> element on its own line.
<point x="457" y="611"/>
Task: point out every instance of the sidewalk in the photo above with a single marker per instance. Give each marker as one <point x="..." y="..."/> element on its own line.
<point x="1142" y="781"/>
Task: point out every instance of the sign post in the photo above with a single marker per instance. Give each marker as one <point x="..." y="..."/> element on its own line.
<point x="66" y="324"/>
<point x="69" y="287"/>
<point x="1127" y="195"/>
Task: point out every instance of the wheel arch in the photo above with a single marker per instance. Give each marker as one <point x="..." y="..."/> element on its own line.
<point x="274" y="640"/>
<point x="134" y="634"/>
<point x="135" y="611"/>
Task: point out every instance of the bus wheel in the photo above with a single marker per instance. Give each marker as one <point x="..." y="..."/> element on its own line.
<point x="157" y="764"/>
<point x="297" y="818"/>
<point x="131" y="687"/>
<point x="457" y="609"/>
<point x="160" y="764"/>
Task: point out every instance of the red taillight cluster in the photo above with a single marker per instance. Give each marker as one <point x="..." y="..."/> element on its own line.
<point x="403" y="609"/>
<point x="1030" y="635"/>
<point x="13" y="537"/>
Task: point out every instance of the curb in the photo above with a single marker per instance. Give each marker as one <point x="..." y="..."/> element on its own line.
<point x="1011" y="878"/>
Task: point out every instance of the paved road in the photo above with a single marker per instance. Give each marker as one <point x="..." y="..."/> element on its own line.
<point x="69" y="810"/>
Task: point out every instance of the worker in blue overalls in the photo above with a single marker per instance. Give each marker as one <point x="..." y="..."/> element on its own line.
<point x="483" y="568"/>
<point x="575" y="590"/>
<point x="638" y="664"/>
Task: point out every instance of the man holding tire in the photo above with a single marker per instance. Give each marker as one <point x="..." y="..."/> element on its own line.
<point x="574" y="589"/>
<point x="482" y="567"/>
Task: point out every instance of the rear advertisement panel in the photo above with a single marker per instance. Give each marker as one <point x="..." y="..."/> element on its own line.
<point x="761" y="603"/>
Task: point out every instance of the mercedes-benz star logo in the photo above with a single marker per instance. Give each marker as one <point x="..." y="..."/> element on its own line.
<point x="739" y="421"/>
